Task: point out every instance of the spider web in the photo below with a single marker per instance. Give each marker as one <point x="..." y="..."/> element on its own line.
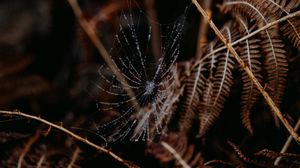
<point x="153" y="81"/>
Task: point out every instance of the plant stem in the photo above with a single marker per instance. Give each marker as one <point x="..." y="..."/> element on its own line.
<point x="202" y="32"/>
<point x="175" y="154"/>
<point x="68" y="132"/>
<point x="287" y="144"/>
<point x="103" y="52"/>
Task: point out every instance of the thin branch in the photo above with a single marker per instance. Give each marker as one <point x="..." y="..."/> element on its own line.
<point x="106" y="13"/>
<point x="202" y="32"/>
<point x="289" y="16"/>
<point x="242" y="64"/>
<point x="27" y="147"/>
<point x="175" y="154"/>
<point x="74" y="157"/>
<point x="41" y="160"/>
<point x="103" y="52"/>
<point x="75" y="136"/>
<point x="287" y="144"/>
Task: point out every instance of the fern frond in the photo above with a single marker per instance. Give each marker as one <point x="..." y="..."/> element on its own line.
<point x="291" y="30"/>
<point x="276" y="65"/>
<point x="278" y="7"/>
<point x="218" y="87"/>
<point x="250" y="54"/>
<point x="194" y="88"/>
<point x="271" y="45"/>
<point x="273" y="155"/>
<point x="247" y="159"/>
<point x="251" y="9"/>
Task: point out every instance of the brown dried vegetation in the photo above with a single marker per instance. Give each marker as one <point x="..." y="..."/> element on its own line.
<point x="187" y="115"/>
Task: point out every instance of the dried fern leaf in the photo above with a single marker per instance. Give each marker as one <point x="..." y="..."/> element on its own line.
<point x="259" y="15"/>
<point x="250" y="54"/>
<point x="194" y="88"/>
<point x="248" y="160"/>
<point x="272" y="47"/>
<point x="278" y="7"/>
<point x="206" y="119"/>
<point x="251" y="9"/>
<point x="276" y="65"/>
<point x="291" y="30"/>
<point x="273" y="155"/>
<point x="218" y="87"/>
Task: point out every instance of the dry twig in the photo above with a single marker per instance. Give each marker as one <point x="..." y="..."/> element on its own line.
<point x="68" y="132"/>
<point x="202" y="32"/>
<point x="30" y="142"/>
<point x="175" y="154"/>
<point x="287" y="144"/>
<point x="74" y="157"/>
<point x="103" y="52"/>
<point x="41" y="160"/>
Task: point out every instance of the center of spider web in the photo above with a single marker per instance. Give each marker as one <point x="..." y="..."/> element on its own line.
<point x="149" y="87"/>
